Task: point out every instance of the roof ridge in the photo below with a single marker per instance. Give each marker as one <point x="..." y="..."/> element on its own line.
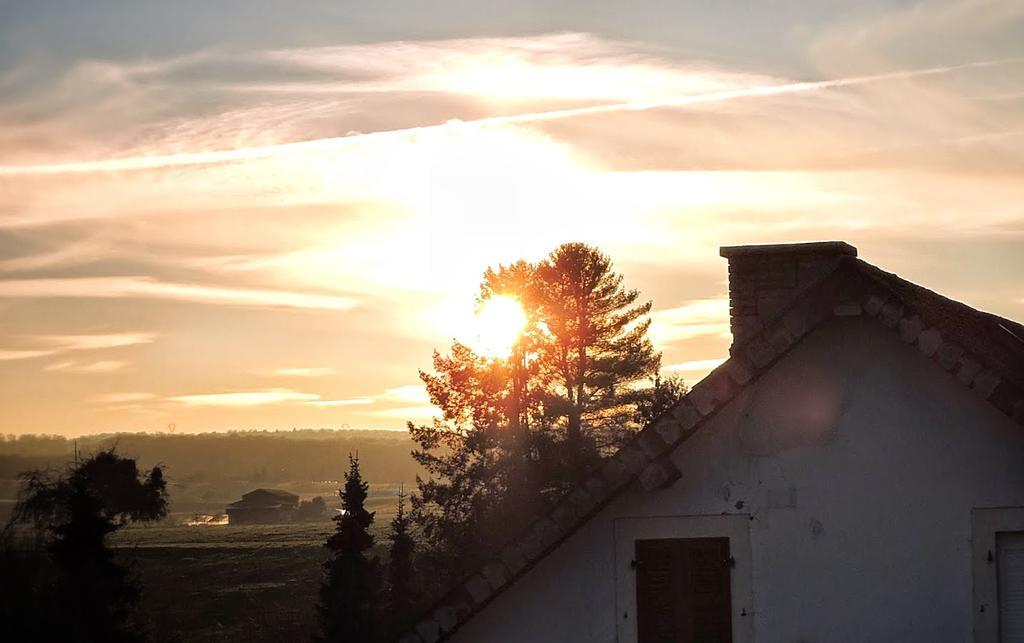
<point x="855" y="288"/>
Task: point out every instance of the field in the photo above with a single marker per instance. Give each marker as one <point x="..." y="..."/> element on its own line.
<point x="251" y="583"/>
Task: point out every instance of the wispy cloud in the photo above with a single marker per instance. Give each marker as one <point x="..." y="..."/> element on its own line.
<point x="93" y="342"/>
<point x="102" y="366"/>
<point x="312" y="371"/>
<point x="265" y="151"/>
<point x="694" y="366"/>
<point x="16" y="354"/>
<point x="413" y="413"/>
<point x="245" y="398"/>
<point x="693" y="319"/>
<point x="47" y="345"/>
<point x="885" y="33"/>
<point x="267" y="397"/>
<point x="123" y="398"/>
<point x="147" y="287"/>
<point x="411" y="393"/>
<point x="357" y="401"/>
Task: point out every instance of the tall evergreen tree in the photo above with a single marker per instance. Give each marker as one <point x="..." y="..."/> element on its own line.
<point x="399" y="605"/>
<point x="349" y="591"/>
<point x="598" y="349"/>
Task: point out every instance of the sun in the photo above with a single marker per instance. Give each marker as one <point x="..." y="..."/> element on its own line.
<point x="499" y="323"/>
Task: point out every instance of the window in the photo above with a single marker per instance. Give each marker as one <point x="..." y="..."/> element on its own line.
<point x="1010" y="548"/>
<point x="684" y="579"/>
<point x="683" y="590"/>
<point x="997" y="539"/>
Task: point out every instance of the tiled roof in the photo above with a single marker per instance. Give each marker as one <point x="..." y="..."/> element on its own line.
<point x="982" y="351"/>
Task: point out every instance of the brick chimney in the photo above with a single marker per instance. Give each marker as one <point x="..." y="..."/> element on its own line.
<point x="764" y="279"/>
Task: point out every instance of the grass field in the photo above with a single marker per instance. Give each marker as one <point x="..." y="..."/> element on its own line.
<point x="251" y="583"/>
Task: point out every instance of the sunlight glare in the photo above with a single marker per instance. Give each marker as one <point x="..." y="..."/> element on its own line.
<point x="499" y="323"/>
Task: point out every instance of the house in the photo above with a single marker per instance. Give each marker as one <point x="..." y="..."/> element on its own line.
<point x="853" y="472"/>
<point x="263" y="506"/>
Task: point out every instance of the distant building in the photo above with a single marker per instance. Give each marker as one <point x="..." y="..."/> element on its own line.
<point x="853" y="472"/>
<point x="263" y="506"/>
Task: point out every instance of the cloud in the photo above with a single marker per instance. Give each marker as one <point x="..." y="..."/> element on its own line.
<point x="147" y="287"/>
<point x="266" y="397"/>
<point x="696" y="318"/>
<point x="46" y="345"/>
<point x="93" y="342"/>
<point x="335" y="143"/>
<point x="102" y="366"/>
<point x="358" y="401"/>
<point x="245" y="398"/>
<point x="313" y="371"/>
<point x="413" y="413"/>
<point x="884" y="33"/>
<point x="694" y="366"/>
<point x="123" y="398"/>
<point x="412" y="393"/>
<point x="16" y="354"/>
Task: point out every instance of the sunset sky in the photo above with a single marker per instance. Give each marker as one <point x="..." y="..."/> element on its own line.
<point x="240" y="215"/>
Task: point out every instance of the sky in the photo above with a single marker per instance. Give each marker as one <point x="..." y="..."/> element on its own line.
<point x="268" y="215"/>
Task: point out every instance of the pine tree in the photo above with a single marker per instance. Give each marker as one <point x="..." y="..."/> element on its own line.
<point x="400" y="572"/>
<point x="348" y="593"/>
<point x="598" y="347"/>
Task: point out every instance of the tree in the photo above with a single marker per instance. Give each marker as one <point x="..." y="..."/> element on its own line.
<point x="597" y="348"/>
<point x="514" y="431"/>
<point x="472" y="461"/>
<point x="348" y="593"/>
<point x="92" y="597"/>
<point x="662" y="396"/>
<point x="399" y="606"/>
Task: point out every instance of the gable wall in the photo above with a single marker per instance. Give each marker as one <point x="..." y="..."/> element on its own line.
<point x="858" y="461"/>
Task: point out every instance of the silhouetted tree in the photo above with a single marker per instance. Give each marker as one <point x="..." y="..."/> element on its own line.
<point x="597" y="348"/>
<point x="473" y="461"/>
<point x="514" y="431"/>
<point x="399" y="605"/>
<point x="89" y="596"/>
<point x="661" y="397"/>
<point x="349" y="591"/>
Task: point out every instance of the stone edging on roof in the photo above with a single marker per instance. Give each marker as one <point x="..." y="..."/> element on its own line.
<point x="854" y="289"/>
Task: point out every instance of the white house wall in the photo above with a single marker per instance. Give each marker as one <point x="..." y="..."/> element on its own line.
<point x="858" y="462"/>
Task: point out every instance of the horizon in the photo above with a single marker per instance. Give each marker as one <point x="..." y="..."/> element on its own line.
<point x="172" y="434"/>
<point x="216" y="224"/>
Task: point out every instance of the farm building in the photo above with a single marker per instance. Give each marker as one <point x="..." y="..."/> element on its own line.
<point x="263" y="506"/>
<point x="853" y="472"/>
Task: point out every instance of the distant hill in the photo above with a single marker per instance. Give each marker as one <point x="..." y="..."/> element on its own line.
<point x="206" y="470"/>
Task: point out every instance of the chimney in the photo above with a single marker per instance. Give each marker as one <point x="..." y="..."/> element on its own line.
<point x="764" y="279"/>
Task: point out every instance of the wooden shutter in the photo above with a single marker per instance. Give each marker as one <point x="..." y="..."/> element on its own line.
<point x="1010" y="546"/>
<point x="683" y="592"/>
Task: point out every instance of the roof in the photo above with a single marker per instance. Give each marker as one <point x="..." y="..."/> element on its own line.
<point x="984" y="352"/>
<point x="280" y="493"/>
